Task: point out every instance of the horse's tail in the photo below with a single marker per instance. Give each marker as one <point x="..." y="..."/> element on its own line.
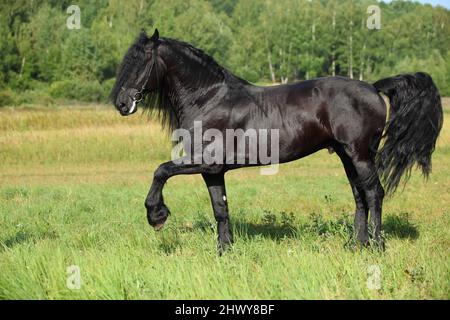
<point x="412" y="129"/>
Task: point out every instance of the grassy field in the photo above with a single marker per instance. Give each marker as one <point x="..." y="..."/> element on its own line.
<point x="72" y="188"/>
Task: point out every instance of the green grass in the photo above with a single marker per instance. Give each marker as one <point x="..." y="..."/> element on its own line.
<point x="72" y="187"/>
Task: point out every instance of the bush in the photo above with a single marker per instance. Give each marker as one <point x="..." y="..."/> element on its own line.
<point x="7" y="98"/>
<point x="38" y="97"/>
<point x="86" y="91"/>
<point x="22" y="83"/>
<point x="108" y="85"/>
<point x="66" y="90"/>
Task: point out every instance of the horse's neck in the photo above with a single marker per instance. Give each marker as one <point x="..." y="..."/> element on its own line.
<point x="196" y="85"/>
<point x="192" y="90"/>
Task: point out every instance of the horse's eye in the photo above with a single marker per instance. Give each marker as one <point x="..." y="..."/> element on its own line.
<point x="138" y="96"/>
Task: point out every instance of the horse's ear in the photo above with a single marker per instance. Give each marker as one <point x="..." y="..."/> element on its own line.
<point x="143" y="38"/>
<point x="155" y="36"/>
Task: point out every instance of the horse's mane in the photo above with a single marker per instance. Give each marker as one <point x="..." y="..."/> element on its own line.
<point x="134" y="56"/>
<point x="158" y="100"/>
<point x="198" y="55"/>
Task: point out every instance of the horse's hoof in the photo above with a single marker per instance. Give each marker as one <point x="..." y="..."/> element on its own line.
<point x="223" y="247"/>
<point x="157" y="216"/>
<point x="378" y="245"/>
<point x="159" y="226"/>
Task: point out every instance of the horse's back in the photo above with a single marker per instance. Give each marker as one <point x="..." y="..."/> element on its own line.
<point x="333" y="98"/>
<point x="320" y="112"/>
<point x="336" y="90"/>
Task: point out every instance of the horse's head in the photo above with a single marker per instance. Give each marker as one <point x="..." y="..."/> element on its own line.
<point x="166" y="76"/>
<point x="138" y="75"/>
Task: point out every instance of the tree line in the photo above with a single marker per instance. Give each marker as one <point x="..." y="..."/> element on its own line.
<point x="43" y="60"/>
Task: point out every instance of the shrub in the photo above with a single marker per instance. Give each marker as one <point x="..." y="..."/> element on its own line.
<point x="7" y="98"/>
<point x="107" y="86"/>
<point x="86" y="91"/>
<point x="38" y="97"/>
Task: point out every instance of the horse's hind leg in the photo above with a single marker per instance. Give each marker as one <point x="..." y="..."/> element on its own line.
<point x="368" y="180"/>
<point x="217" y="192"/>
<point x="362" y="209"/>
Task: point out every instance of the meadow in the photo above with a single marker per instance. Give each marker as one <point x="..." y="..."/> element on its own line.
<point x="72" y="186"/>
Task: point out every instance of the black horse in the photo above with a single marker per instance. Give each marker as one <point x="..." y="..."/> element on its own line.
<point x="346" y="116"/>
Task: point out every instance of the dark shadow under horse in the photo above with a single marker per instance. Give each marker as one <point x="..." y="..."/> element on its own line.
<point x="186" y="86"/>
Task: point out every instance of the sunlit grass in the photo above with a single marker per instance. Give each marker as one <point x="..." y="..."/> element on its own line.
<point x="72" y="186"/>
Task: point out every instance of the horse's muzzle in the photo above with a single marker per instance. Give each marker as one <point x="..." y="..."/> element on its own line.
<point x="124" y="110"/>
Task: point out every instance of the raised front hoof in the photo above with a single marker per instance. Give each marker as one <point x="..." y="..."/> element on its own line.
<point x="157" y="216"/>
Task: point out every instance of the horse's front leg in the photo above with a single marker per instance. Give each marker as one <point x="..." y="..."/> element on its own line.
<point x="157" y="211"/>
<point x="217" y="192"/>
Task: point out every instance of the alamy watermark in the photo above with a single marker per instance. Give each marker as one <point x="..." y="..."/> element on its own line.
<point x="73" y="281"/>
<point x="232" y="147"/>
<point x="74" y="20"/>
<point x="373" y="277"/>
<point x="374" y="20"/>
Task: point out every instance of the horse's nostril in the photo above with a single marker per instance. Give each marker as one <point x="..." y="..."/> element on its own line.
<point x="123" y="107"/>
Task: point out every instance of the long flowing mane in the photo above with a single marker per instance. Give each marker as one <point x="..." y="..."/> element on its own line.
<point x="209" y="65"/>
<point x="160" y="100"/>
<point x="133" y="57"/>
